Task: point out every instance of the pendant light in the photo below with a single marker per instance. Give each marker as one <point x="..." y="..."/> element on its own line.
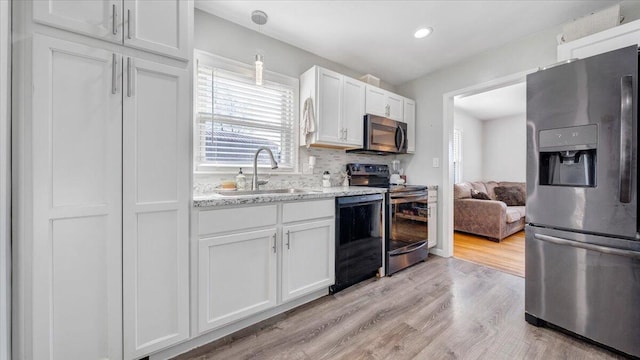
<point x="259" y="18"/>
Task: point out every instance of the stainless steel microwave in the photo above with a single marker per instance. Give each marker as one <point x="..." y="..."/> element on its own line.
<point x="383" y="136"/>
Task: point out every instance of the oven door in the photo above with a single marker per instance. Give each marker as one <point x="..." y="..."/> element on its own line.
<point x="407" y="231"/>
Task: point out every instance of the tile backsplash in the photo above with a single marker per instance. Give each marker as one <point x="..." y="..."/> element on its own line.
<point x="331" y="160"/>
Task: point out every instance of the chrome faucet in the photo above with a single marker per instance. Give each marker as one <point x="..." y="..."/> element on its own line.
<point x="274" y="165"/>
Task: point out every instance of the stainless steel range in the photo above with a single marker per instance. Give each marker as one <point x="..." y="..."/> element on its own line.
<point x="406" y="214"/>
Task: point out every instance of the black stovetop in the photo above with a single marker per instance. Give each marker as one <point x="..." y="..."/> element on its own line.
<point x="376" y="175"/>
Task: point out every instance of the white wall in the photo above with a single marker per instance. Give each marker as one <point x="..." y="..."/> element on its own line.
<point x="504" y="144"/>
<point x="5" y="184"/>
<point x="472" y="145"/>
<point x="221" y="37"/>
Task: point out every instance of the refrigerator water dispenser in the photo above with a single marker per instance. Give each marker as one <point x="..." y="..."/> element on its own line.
<point x="568" y="156"/>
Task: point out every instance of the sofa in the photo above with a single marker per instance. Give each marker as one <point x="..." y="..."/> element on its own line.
<point x="478" y="210"/>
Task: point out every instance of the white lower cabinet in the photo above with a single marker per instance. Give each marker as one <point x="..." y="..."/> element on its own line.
<point x="308" y="260"/>
<point x="433" y="218"/>
<point x="247" y="253"/>
<point x="237" y="276"/>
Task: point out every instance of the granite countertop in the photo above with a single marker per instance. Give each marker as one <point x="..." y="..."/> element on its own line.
<point x="215" y="199"/>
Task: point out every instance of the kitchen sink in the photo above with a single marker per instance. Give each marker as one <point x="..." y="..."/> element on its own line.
<point x="266" y="191"/>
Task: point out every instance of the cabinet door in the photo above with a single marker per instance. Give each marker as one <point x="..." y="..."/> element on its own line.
<point x="608" y="40"/>
<point x="155" y="206"/>
<point x="160" y="26"/>
<point x="410" y="119"/>
<point x="77" y="234"/>
<point x="433" y="224"/>
<point x="376" y="101"/>
<point x="395" y="107"/>
<point x="308" y="258"/>
<point x="353" y="111"/>
<point x="236" y="277"/>
<point x="97" y="18"/>
<point x="329" y="107"/>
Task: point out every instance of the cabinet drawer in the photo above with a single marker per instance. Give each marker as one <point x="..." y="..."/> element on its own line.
<point x="241" y="218"/>
<point x="304" y="210"/>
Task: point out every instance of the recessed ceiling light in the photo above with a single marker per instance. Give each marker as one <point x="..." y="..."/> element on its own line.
<point x="423" y="33"/>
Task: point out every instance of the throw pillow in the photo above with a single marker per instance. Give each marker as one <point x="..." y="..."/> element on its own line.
<point x="479" y="195"/>
<point x="510" y="195"/>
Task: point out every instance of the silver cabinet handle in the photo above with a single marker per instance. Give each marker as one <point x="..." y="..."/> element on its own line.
<point x="129" y="75"/>
<point x="128" y="23"/>
<point x="387" y="110"/>
<point x="346" y="134"/>
<point x="114" y="23"/>
<point x="274" y="243"/>
<point x="114" y="77"/>
<point x="288" y="239"/>
<point x="626" y="119"/>
<point x="429" y="212"/>
<point x="591" y="247"/>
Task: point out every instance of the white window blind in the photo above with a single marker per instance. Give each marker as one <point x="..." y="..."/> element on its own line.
<point x="457" y="155"/>
<point x="235" y="117"/>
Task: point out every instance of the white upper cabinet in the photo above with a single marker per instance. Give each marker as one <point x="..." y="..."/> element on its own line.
<point x="376" y="101"/>
<point x="159" y="26"/>
<point x="395" y="107"/>
<point x="598" y="43"/>
<point x="339" y="108"/>
<point x="101" y="19"/>
<point x="329" y="104"/>
<point x="410" y="119"/>
<point x="383" y="103"/>
<point x="353" y="111"/>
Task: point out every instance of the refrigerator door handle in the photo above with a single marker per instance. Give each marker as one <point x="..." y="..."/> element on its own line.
<point x="626" y="131"/>
<point x="592" y="247"/>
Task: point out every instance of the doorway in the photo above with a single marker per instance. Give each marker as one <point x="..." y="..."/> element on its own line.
<point x="489" y="152"/>
<point x="455" y="166"/>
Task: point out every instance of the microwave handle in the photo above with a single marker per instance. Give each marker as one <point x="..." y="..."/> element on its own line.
<point x="404" y="138"/>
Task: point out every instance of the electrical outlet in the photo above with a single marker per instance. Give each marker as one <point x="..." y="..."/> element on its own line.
<point x="436" y="162"/>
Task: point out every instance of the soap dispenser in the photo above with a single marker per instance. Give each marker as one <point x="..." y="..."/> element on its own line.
<point x="241" y="181"/>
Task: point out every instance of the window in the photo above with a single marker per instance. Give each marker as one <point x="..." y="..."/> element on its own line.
<point x="457" y="155"/>
<point x="235" y="117"/>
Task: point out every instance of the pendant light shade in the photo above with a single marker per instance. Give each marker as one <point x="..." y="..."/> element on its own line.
<point x="259" y="69"/>
<point x="259" y="18"/>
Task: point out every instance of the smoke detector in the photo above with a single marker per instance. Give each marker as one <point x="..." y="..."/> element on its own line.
<point x="259" y="17"/>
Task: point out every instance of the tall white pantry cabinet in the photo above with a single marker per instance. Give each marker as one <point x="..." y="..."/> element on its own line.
<point x="102" y="128"/>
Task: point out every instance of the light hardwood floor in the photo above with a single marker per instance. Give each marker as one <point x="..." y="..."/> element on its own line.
<point x="506" y="255"/>
<point x="440" y="309"/>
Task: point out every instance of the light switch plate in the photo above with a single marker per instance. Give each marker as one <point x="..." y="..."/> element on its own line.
<point x="436" y="162"/>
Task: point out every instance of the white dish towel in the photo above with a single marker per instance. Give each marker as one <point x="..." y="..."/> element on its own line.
<point x="309" y="120"/>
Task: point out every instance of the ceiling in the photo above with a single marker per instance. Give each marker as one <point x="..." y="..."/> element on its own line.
<point x="376" y="37"/>
<point x="494" y="104"/>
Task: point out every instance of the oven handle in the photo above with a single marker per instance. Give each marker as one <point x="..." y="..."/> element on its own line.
<point x="407" y="199"/>
<point x="408" y="249"/>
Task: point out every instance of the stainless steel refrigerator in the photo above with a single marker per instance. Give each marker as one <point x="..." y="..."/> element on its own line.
<point x="582" y="241"/>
